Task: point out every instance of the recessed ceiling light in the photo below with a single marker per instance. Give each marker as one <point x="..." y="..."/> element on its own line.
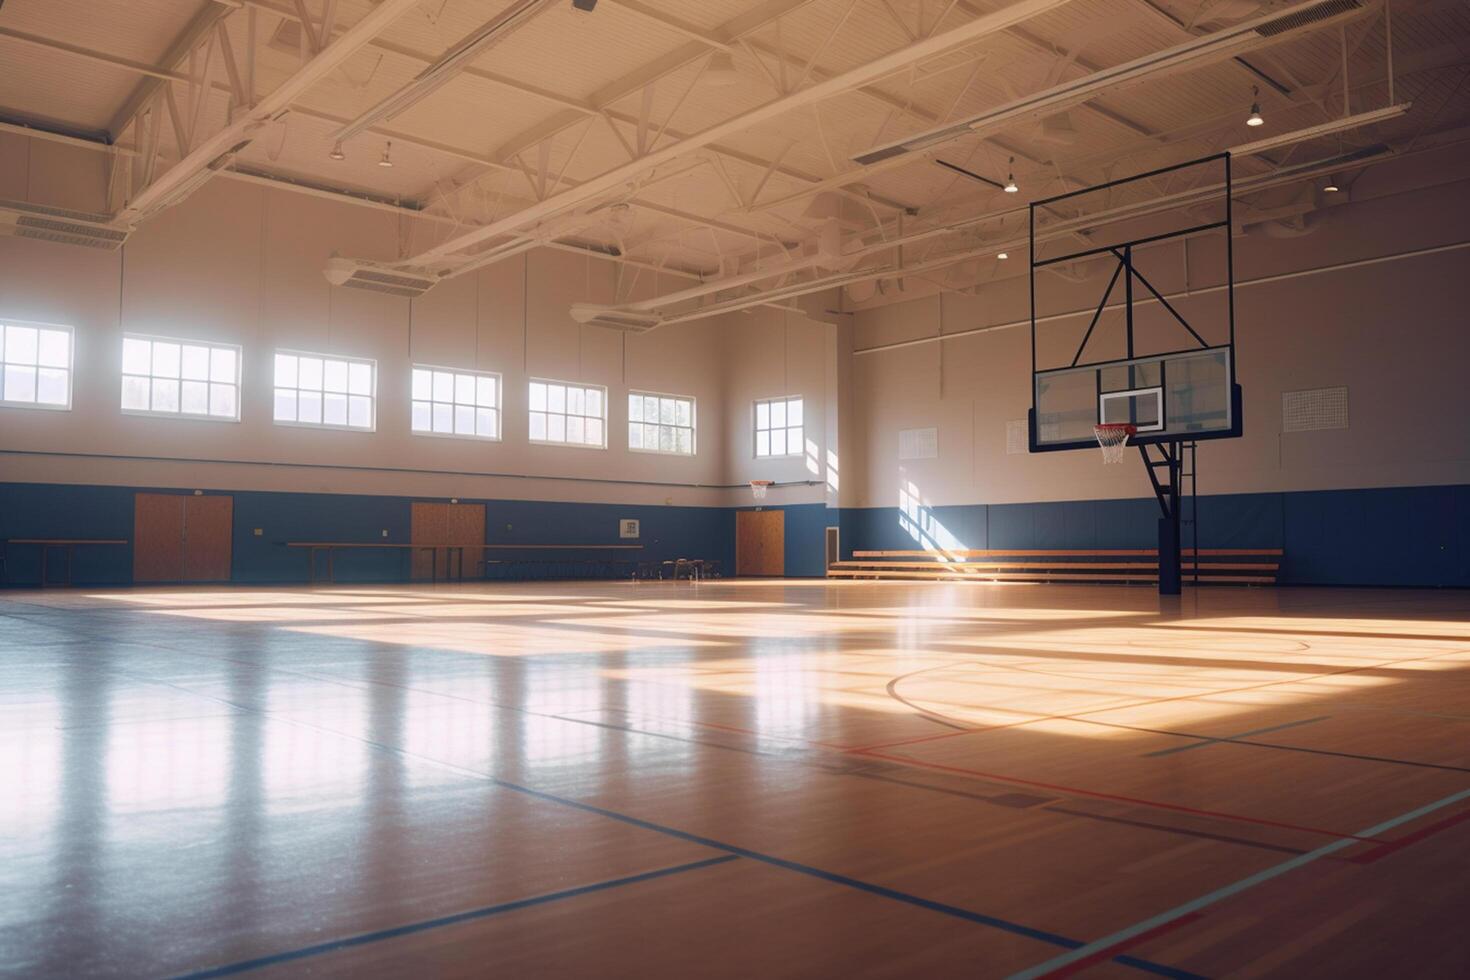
<point x="1002" y="255"/>
<point x="386" y="160"/>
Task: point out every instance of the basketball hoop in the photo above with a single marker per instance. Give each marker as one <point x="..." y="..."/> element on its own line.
<point x="1113" y="438"/>
<point x="758" y="488"/>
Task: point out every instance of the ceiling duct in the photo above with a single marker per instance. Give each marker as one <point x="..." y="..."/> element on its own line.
<point x="628" y="321"/>
<point x="450" y="64"/>
<point x="363" y="275"/>
<point x="37" y="221"/>
<point x="1322" y="129"/>
<point x="1211" y="47"/>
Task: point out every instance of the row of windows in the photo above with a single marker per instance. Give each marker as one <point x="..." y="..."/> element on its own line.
<point x="169" y="377"/>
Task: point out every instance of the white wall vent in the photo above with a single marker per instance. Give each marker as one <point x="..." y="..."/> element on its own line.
<point x="918" y="443"/>
<point x="1314" y="408"/>
<point x="1018" y="438"/>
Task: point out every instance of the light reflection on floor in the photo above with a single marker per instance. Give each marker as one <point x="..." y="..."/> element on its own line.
<point x="297" y="755"/>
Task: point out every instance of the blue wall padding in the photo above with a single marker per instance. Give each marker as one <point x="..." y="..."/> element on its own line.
<point x="1404" y="536"/>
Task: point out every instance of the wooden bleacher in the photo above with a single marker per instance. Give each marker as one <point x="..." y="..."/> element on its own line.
<point x="1217" y="566"/>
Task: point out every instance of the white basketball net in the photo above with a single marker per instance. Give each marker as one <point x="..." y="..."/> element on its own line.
<point x="758" y="488"/>
<point x="1113" y="438"/>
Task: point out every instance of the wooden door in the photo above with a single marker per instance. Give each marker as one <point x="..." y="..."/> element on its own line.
<point x="432" y="523"/>
<point x="760" y="542"/>
<point x="209" y="530"/>
<point x="466" y="525"/>
<point x="428" y="524"/>
<point x="158" y="537"/>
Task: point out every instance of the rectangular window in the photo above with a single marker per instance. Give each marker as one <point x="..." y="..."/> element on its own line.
<point x="778" y="427"/>
<point x="35" y="365"/>
<point x="313" y="389"/>
<point x="180" y="379"/>
<point x="446" y="402"/>
<point x="660" y="423"/>
<point x="567" y="414"/>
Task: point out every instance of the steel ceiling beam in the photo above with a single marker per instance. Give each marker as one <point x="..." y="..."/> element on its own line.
<point x="878" y="68"/>
<point x="214" y="151"/>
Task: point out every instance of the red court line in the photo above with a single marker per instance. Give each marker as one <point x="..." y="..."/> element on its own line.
<point x="1109" y="952"/>
<point x="1384" y="850"/>
<point x="1133" y="800"/>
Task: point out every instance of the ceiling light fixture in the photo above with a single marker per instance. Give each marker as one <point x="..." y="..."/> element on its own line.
<point x="1255" y="119"/>
<point x="1217" y="45"/>
<point x="1321" y="129"/>
<point x="448" y="66"/>
<point x="1011" y="187"/>
<point x="1002" y="255"/>
<point x="1331" y="186"/>
<point x="386" y="160"/>
<point x="337" y="153"/>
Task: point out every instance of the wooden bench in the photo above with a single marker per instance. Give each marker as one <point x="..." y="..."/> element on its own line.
<point x="66" y="544"/>
<point x="453" y="557"/>
<point x="1215" y="566"/>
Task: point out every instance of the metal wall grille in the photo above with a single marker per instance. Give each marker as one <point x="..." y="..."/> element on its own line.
<point x="1017" y="438"/>
<point x="918" y="443"/>
<point x="1314" y="408"/>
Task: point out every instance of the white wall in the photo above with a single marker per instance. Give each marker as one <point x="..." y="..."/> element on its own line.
<point x="1395" y="332"/>
<point x="241" y="263"/>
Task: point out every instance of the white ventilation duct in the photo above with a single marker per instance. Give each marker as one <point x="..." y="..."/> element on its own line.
<point x="356" y="274"/>
<point x="20" y="219"/>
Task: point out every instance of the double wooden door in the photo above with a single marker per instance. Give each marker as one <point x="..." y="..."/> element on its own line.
<point x="446" y="524"/>
<point x="182" y="538"/>
<point x="760" y="542"/>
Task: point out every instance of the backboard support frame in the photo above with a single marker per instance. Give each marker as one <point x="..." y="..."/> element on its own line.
<point x="1162" y="446"/>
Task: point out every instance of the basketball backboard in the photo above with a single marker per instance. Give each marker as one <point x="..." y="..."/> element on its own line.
<point x="1176" y="382"/>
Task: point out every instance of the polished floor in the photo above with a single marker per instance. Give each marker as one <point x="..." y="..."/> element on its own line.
<point x="735" y="779"/>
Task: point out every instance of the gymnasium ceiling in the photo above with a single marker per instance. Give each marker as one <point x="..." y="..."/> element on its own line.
<point x="597" y="129"/>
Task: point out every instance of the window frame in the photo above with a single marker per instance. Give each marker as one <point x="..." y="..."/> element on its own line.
<point x="499" y="403"/>
<point x="330" y="426"/>
<point x="606" y="412"/>
<point x="71" y="365"/>
<point x="181" y="414"/>
<point x="755" y="429"/>
<point x="693" y="425"/>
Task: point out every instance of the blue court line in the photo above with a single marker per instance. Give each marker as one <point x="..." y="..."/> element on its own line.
<point x="880" y="890"/>
<point x="873" y="889"/>
<point x="1229" y="738"/>
<point x="1219" y="894"/>
<point x="447" y="920"/>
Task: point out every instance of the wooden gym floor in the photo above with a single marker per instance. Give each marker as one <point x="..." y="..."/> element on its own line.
<point x="737" y="779"/>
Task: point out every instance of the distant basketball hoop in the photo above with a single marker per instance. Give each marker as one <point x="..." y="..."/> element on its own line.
<point x="758" y="488"/>
<point x="1113" y="438"/>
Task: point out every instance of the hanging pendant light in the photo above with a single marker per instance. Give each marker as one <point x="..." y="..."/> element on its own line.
<point x="386" y="160"/>
<point x="1255" y="118"/>
<point x="1011" y="187"/>
<point x="337" y="153"/>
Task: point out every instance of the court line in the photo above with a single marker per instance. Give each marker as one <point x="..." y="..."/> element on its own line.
<point x="1209" y="740"/>
<point x="1101" y="955"/>
<point x="1136" y="801"/>
<point x="1146" y="703"/>
<point x="1050" y="938"/>
<point x="362" y="939"/>
<point x="1418" y="835"/>
<point x="1051" y="966"/>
